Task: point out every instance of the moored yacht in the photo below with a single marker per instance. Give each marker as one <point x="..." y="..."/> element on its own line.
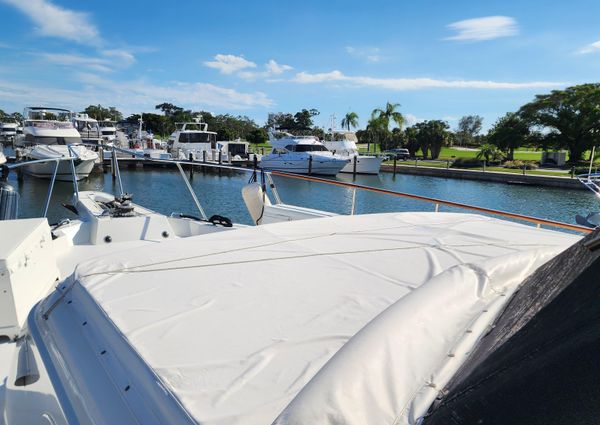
<point x="301" y="155"/>
<point x="108" y="131"/>
<point x="8" y="131"/>
<point x="88" y="128"/>
<point x="192" y="139"/>
<point x="48" y="133"/>
<point x="343" y="143"/>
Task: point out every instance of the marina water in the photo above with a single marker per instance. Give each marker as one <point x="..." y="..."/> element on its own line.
<point x="164" y="191"/>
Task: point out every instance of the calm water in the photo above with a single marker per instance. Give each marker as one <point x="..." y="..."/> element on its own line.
<point x="164" y="191"/>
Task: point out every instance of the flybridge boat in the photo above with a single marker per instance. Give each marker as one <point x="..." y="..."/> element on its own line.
<point x="343" y="143"/>
<point x="88" y="128"/>
<point x="292" y="322"/>
<point x="108" y="131"/>
<point x="301" y="155"/>
<point x="8" y="131"/>
<point x="49" y="134"/>
<point x="192" y="139"/>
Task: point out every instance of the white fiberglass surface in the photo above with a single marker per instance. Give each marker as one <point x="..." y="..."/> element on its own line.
<point x="237" y="323"/>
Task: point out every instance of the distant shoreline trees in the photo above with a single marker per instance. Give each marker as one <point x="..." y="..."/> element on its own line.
<point x="562" y="119"/>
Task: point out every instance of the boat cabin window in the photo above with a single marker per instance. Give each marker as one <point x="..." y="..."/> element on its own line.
<point x="198" y="138"/>
<point x="86" y="126"/>
<point x="305" y="148"/>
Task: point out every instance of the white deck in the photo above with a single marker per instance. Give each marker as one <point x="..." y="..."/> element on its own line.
<point x="236" y="324"/>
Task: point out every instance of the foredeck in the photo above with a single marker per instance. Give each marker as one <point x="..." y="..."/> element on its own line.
<point x="235" y="324"/>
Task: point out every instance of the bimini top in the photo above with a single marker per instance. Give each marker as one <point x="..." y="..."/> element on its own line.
<point x="339" y="320"/>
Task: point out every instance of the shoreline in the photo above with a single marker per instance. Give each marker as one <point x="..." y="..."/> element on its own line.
<point x="490" y="176"/>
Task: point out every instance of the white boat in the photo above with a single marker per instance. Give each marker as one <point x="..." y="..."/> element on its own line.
<point x="301" y="155"/>
<point x="88" y="128"/>
<point x="108" y="131"/>
<point x="336" y="320"/>
<point x="343" y="143"/>
<point x="193" y="140"/>
<point x="8" y="131"/>
<point x="49" y="133"/>
<point x="83" y="162"/>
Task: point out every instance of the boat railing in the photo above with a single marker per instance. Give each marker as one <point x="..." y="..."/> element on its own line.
<point x="591" y="181"/>
<point x="437" y="203"/>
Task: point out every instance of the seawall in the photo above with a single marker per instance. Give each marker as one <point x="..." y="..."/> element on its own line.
<point x="490" y="176"/>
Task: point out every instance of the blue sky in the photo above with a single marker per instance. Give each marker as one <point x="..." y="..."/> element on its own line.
<point x="439" y="60"/>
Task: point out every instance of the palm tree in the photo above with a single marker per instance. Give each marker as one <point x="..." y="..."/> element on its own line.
<point x="389" y="114"/>
<point x="376" y="131"/>
<point x="350" y="120"/>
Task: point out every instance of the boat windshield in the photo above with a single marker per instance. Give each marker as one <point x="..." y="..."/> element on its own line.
<point x="49" y="115"/>
<point x="197" y="138"/>
<point x="87" y="125"/>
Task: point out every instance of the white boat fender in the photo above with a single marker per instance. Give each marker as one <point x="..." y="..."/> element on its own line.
<point x="256" y="200"/>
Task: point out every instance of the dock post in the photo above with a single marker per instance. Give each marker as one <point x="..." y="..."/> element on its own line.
<point x="395" y="159"/>
<point x="191" y="157"/>
<point x="310" y="160"/>
<point x="113" y="166"/>
<point x="101" y="155"/>
<point x="355" y="160"/>
<point x="220" y="153"/>
<point x="255" y="158"/>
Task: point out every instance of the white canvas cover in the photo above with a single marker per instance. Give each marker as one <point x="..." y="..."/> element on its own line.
<point x="236" y="324"/>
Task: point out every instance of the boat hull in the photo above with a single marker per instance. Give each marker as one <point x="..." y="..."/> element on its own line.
<point x="64" y="173"/>
<point x="84" y="160"/>
<point x="364" y="165"/>
<point x="327" y="167"/>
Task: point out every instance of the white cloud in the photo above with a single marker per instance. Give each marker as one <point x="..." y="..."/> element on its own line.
<point x="120" y="56"/>
<point x="486" y="28"/>
<point x="414" y="83"/>
<point x="590" y="48"/>
<point x="131" y="96"/>
<point x="107" y="62"/>
<point x="55" y="21"/>
<point x="275" y="69"/>
<point x="368" y="54"/>
<point x="272" y="68"/>
<point x="228" y="64"/>
<point x="410" y="120"/>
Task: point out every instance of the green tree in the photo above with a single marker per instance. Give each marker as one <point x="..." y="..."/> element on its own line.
<point x="569" y="118"/>
<point x="376" y="132"/>
<point x="489" y="152"/>
<point x="303" y="119"/>
<point x="411" y="137"/>
<point x="350" y="120"/>
<point x="508" y="133"/>
<point x="100" y="113"/>
<point x="389" y="115"/>
<point x="468" y="128"/>
<point x="432" y="136"/>
<point x="258" y="135"/>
